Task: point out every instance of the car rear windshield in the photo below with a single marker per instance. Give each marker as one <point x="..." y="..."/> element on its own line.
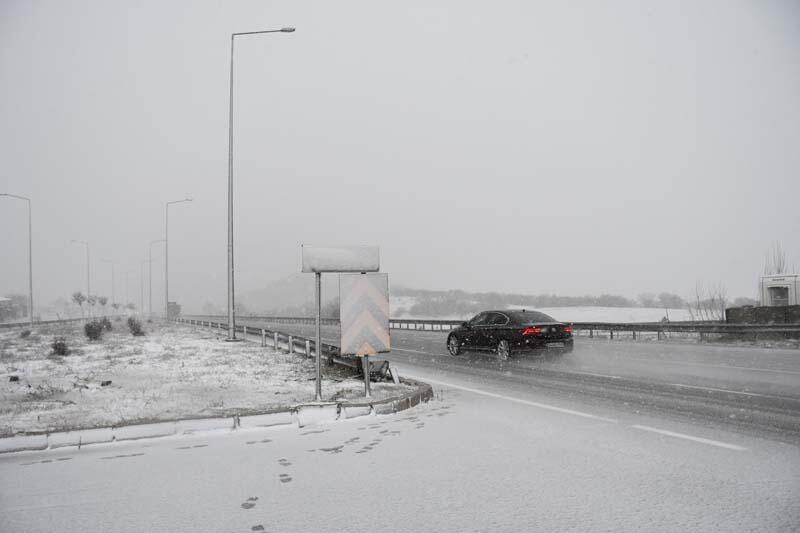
<point x="530" y="317"/>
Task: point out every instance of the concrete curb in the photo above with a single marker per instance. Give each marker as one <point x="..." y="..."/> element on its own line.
<point x="299" y="415"/>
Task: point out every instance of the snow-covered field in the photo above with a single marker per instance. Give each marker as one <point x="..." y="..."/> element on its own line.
<point x="400" y="307"/>
<point x="613" y="314"/>
<point x="173" y="372"/>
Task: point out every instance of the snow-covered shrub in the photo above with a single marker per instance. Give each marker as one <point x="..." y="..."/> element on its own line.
<point x="60" y="346"/>
<point x="93" y="330"/>
<point x="136" y="327"/>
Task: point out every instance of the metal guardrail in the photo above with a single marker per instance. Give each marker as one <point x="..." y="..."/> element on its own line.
<point x="660" y="328"/>
<point x="394" y="323"/>
<point x="703" y="329"/>
<point x="38" y="322"/>
<point x="279" y="340"/>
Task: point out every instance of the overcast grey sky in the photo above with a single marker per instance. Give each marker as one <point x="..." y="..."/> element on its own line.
<point x="564" y="147"/>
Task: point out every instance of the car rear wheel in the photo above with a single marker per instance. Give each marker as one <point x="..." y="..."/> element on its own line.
<point x="503" y="350"/>
<point x="453" y="346"/>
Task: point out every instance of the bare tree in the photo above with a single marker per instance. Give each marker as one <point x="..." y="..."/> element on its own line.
<point x="709" y="304"/>
<point x="775" y="260"/>
<point x="92" y="301"/>
<point x="78" y="298"/>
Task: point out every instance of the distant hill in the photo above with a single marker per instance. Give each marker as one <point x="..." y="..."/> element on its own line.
<point x="457" y="303"/>
<point x="292" y="295"/>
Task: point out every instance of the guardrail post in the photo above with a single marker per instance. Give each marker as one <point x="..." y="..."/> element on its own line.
<point x="702" y="336"/>
<point x="611" y="332"/>
<point x="634" y="335"/>
<point x="365" y="370"/>
<point x="263" y="338"/>
<point x="244" y="332"/>
<point x="275" y="340"/>
<point x="591" y="333"/>
<point x="308" y="348"/>
<point x="291" y="344"/>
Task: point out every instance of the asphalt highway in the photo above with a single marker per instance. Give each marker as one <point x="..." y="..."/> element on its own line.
<point x="751" y="388"/>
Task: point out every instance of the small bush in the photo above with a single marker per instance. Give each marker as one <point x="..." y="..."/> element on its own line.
<point x="60" y="346"/>
<point x="136" y="327"/>
<point x="25" y="334"/>
<point x="93" y="330"/>
<point x="106" y="324"/>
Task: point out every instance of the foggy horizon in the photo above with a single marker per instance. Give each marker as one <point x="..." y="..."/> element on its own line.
<point x="509" y="148"/>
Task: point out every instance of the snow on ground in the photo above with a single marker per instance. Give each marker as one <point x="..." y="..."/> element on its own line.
<point x="567" y="314"/>
<point x="172" y="372"/>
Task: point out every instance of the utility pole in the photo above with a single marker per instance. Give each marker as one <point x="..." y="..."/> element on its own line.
<point x="231" y="303"/>
<point x="30" y="255"/>
<point x="150" y="277"/>
<point x="88" y="273"/>
<point x="166" y="254"/>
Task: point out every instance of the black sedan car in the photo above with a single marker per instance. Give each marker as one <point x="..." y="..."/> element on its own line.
<point x="507" y="332"/>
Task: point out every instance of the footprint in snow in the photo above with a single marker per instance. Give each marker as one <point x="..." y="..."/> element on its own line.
<point x="250" y="502"/>
<point x="335" y="449"/>
<point x="315" y="431"/>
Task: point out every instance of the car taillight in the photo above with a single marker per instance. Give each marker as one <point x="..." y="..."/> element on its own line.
<point x="527" y="332"/>
<point x="568" y="329"/>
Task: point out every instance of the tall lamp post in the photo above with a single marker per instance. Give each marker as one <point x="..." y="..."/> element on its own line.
<point x="166" y="255"/>
<point x="231" y="312"/>
<point x="88" y="272"/>
<point x="30" y="255"/>
<point x="141" y="288"/>
<point x="113" y="299"/>
<point x="150" y="276"/>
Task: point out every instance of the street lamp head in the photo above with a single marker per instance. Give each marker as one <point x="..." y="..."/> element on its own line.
<point x="287" y="30"/>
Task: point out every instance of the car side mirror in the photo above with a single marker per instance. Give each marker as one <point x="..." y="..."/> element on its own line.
<point x="465" y="325"/>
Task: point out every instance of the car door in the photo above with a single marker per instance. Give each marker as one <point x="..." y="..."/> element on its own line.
<point x="473" y="334"/>
<point x="484" y="332"/>
<point x="494" y="331"/>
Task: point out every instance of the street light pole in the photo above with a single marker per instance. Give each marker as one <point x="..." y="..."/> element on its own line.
<point x="88" y="272"/>
<point x="231" y="303"/>
<point x="150" y="276"/>
<point x="113" y="299"/>
<point x="141" y="288"/>
<point x="30" y="256"/>
<point x="166" y="255"/>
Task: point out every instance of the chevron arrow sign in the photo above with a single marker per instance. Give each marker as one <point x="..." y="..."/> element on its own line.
<point x="364" y="313"/>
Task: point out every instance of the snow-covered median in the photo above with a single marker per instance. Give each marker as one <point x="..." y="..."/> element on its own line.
<point x="172" y="372"/>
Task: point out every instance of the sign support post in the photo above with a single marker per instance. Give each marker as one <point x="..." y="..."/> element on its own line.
<point x="318" y="297"/>
<point x="365" y="368"/>
<point x="367" y="324"/>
